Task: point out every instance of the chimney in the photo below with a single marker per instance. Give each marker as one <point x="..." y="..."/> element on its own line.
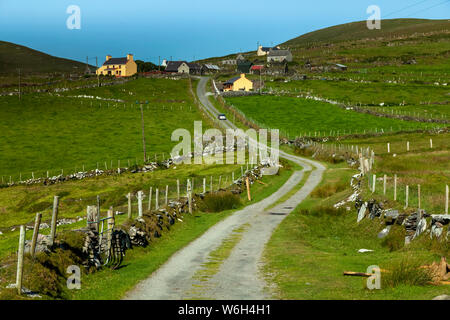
<point x="108" y="57"/>
<point x="130" y="57"/>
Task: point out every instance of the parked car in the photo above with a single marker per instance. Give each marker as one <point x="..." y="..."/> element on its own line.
<point x="222" y="117"/>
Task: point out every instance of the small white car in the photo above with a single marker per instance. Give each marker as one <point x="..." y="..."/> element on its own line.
<point x="222" y="117"/>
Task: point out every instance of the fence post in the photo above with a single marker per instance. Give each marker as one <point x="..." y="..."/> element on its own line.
<point x="431" y="143"/>
<point x="157" y="199"/>
<point x="54" y="220"/>
<point x="129" y="205"/>
<point x="189" y="195"/>
<point x="418" y="195"/>
<point x="167" y="194"/>
<point x="91" y="216"/>
<point x="384" y="185"/>
<point x="37" y="223"/>
<point x="406" y="196"/>
<point x="150" y="198"/>
<point x="110" y="224"/>
<point x="232" y="177"/>
<point x="407" y="146"/>
<point x="211" y="185"/>
<point x="140" y="196"/>
<point x="220" y="182"/>
<point x="20" y="260"/>
<point x="395" y="187"/>
<point x="446" y="199"/>
<point x="374" y="179"/>
<point x="204" y="185"/>
<point x="178" y="189"/>
<point x="248" y="189"/>
<point x="389" y="147"/>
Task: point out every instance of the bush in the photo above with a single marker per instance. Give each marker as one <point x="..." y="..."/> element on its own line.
<point x="220" y="201"/>
<point x="322" y="211"/>
<point x="406" y="271"/>
<point x="329" y="189"/>
<point x="395" y="240"/>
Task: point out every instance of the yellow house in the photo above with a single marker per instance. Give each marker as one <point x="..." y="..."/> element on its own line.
<point x="240" y="83"/>
<point x="119" y="67"/>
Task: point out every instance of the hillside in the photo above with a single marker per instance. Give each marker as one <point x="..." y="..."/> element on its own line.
<point x="14" y="56"/>
<point x="358" y="31"/>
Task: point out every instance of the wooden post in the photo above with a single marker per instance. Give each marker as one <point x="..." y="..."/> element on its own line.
<point x="384" y="184"/>
<point x="20" y="260"/>
<point x="37" y="223"/>
<point x="232" y="177"/>
<point x="248" y="189"/>
<point x="189" y="196"/>
<point x="54" y="219"/>
<point x="389" y="147"/>
<point x="150" y="198"/>
<point x="178" y="189"/>
<point x="446" y="199"/>
<point x="418" y="195"/>
<point x="407" y="146"/>
<point x="92" y="216"/>
<point x="129" y="205"/>
<point x="110" y="228"/>
<point x="140" y="197"/>
<point x="204" y="185"/>
<point x="242" y="171"/>
<point x="374" y="180"/>
<point x="211" y="185"/>
<point x="167" y="195"/>
<point x="157" y="199"/>
<point x="431" y="143"/>
<point x="395" y="187"/>
<point x="406" y="197"/>
<point x="220" y="182"/>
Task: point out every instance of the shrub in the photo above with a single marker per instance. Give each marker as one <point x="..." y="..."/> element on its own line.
<point x="406" y="271"/>
<point x="395" y="240"/>
<point x="322" y="211"/>
<point x="219" y="201"/>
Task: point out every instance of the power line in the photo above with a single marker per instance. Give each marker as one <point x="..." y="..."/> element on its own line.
<point x="407" y="7"/>
<point x="423" y="10"/>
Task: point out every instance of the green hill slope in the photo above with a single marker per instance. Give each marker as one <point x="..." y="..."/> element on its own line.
<point x="14" y="56"/>
<point x="358" y="30"/>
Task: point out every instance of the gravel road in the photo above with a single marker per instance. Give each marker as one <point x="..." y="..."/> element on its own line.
<point x="238" y="277"/>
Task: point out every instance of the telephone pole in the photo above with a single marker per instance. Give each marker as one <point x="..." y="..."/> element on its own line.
<point x="19" y="86"/>
<point x="96" y="68"/>
<point x="143" y="132"/>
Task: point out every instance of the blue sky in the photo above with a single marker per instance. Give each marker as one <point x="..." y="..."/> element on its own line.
<point x="184" y="29"/>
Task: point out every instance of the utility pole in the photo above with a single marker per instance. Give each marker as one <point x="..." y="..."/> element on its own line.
<point x="98" y="76"/>
<point x="19" y="86"/>
<point x="143" y="133"/>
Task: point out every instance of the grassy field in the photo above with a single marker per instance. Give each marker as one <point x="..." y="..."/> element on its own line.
<point x="422" y="165"/>
<point x="140" y="262"/>
<point x="297" y="116"/>
<point x="48" y="132"/>
<point x="313" y="246"/>
<point x="354" y="93"/>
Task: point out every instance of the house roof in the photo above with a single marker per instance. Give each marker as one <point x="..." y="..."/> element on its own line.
<point x="279" y="53"/>
<point x="267" y="49"/>
<point x="257" y="67"/>
<point x="172" y="66"/>
<point x="113" y="61"/>
<point x="233" y="80"/>
<point x="212" y="67"/>
<point x="194" y="66"/>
